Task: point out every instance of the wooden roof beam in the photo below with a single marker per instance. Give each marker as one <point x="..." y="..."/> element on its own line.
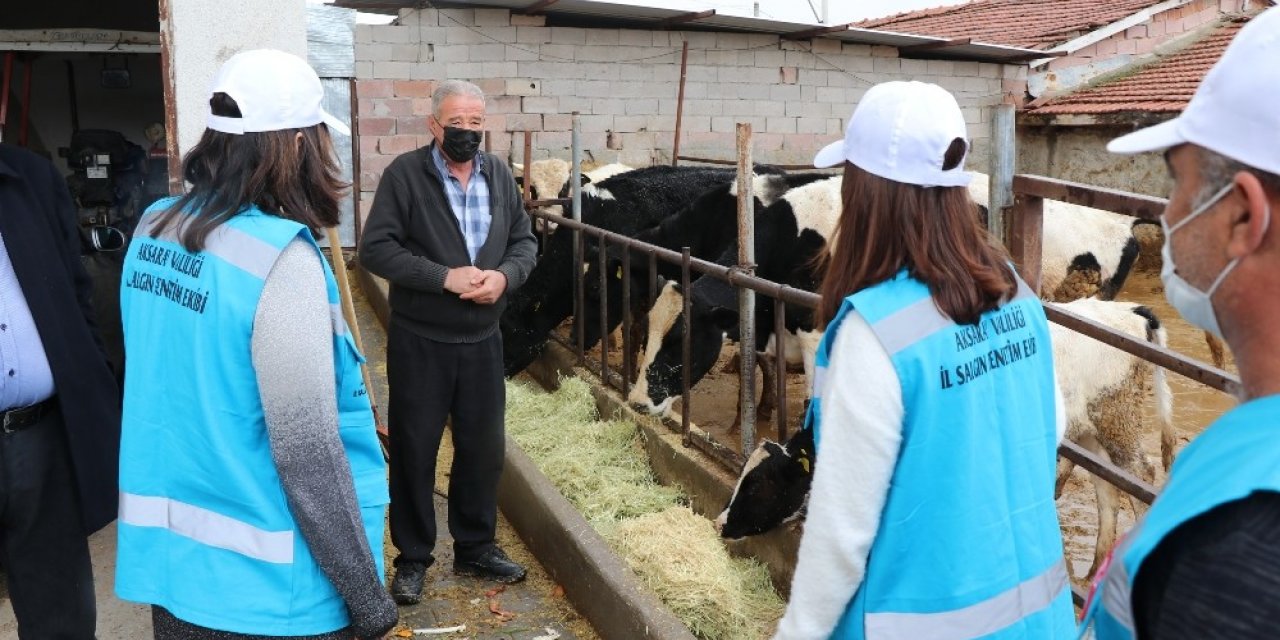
<point x="537" y="6"/>
<point x="683" y="18"/>
<point x="809" y="33"/>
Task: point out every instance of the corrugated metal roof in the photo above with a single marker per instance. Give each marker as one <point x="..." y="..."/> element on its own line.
<point x="1163" y="86"/>
<point x="641" y="15"/>
<point x="331" y="41"/>
<point x="1035" y="24"/>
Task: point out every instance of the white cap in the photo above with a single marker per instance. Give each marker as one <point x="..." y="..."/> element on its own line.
<point x="1235" y="111"/>
<point x="274" y="90"/>
<point x="901" y="131"/>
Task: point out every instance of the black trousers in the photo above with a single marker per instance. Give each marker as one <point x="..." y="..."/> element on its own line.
<point x="431" y="382"/>
<point x="42" y="540"/>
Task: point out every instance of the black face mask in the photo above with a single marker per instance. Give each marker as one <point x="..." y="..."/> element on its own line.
<point x="460" y="144"/>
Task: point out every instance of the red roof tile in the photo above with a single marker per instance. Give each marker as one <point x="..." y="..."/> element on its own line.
<point x="1032" y="24"/>
<point x="1165" y="85"/>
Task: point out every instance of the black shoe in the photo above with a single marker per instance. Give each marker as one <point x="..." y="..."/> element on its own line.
<point x="493" y="564"/>
<point x="406" y="587"/>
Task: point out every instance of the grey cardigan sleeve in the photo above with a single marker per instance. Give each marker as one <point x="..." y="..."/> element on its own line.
<point x="382" y="243"/>
<point x="293" y="358"/>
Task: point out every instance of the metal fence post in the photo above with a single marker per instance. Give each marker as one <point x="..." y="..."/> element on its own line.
<point x="746" y="297"/>
<point x="1025" y="230"/>
<point x="575" y="179"/>
<point x="1003" y="157"/>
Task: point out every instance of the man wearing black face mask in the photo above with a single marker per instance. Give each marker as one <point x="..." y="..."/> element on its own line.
<point x="449" y="232"/>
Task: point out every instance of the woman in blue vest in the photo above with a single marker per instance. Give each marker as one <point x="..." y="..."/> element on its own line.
<point x="934" y="405"/>
<point x="252" y="487"/>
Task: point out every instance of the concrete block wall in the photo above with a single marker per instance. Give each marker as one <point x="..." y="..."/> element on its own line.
<point x="1080" y="154"/>
<point x="624" y="84"/>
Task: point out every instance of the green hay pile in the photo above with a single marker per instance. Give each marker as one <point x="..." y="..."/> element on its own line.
<point x="679" y="556"/>
<point x="602" y="469"/>
<point x="598" y="466"/>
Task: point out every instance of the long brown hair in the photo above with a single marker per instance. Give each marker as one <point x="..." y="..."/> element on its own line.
<point x="268" y="169"/>
<point x="933" y="232"/>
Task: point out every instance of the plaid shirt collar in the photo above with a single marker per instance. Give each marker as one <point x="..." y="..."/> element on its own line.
<point x="437" y="157"/>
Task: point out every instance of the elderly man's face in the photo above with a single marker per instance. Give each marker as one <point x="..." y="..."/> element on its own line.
<point x="463" y="112"/>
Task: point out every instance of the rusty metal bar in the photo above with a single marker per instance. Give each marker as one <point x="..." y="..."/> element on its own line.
<point x="780" y="367"/>
<point x="579" y="292"/>
<point x="686" y="346"/>
<point x="728" y="458"/>
<point x="1123" y="480"/>
<point x="358" y="227"/>
<point x="746" y="297"/>
<point x="528" y="159"/>
<point x="604" y="307"/>
<point x="627" y="365"/>
<point x="792" y="295"/>
<point x="1161" y="356"/>
<point x="579" y="238"/>
<point x="653" y="275"/>
<point x="684" y="69"/>
<point x="1027" y="228"/>
<point x="547" y="202"/>
<point x="1122" y="202"/>
<point x="730" y="163"/>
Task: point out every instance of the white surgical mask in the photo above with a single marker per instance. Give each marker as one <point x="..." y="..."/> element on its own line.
<point x="1196" y="306"/>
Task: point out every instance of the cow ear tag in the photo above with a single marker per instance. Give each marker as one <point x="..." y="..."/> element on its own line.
<point x="804" y="462"/>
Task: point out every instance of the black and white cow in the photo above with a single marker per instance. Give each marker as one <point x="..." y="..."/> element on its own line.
<point x="708" y="226"/>
<point x="1104" y="391"/>
<point x="1085" y="251"/>
<point x="549" y="178"/>
<point x="790" y="236"/>
<point x="626" y="204"/>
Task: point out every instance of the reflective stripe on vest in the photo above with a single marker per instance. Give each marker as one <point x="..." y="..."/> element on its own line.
<point x="975" y="620"/>
<point x="232" y="245"/>
<point x="207" y="527"/>
<point x="920" y="320"/>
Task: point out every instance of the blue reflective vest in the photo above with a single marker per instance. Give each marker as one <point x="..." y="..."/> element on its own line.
<point x="1237" y="455"/>
<point x="205" y="530"/>
<point x="968" y="544"/>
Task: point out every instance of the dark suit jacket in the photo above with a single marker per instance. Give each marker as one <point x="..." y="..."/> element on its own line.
<point x="38" y="221"/>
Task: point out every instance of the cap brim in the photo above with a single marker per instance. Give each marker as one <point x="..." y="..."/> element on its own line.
<point x="334" y="124"/>
<point x="830" y="156"/>
<point x="1156" y="138"/>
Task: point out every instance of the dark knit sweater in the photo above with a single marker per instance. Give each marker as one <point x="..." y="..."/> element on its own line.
<point x="1215" y="576"/>
<point x="412" y="239"/>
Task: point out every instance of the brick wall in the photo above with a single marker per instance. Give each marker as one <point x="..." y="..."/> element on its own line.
<point x="624" y="84"/>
